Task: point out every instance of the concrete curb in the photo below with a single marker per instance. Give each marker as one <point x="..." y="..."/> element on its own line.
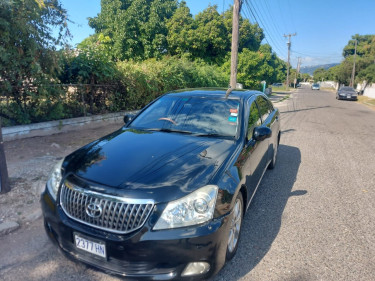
<point x="7" y="227"/>
<point x="58" y="126"/>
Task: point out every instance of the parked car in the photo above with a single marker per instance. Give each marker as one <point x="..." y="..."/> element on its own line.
<point x="163" y="198"/>
<point x="315" y="86"/>
<point x="277" y="84"/>
<point x="346" y="93"/>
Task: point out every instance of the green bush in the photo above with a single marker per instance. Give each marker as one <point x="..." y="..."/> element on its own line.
<point x="145" y="81"/>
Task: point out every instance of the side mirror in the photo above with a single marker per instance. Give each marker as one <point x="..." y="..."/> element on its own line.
<point x="128" y="118"/>
<point x="261" y="133"/>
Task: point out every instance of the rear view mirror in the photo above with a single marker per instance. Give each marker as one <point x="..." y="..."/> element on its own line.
<point x="262" y="133"/>
<point x="128" y="118"/>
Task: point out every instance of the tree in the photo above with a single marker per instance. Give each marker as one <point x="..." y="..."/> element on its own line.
<point x="365" y="46"/>
<point x="180" y="31"/>
<point x="90" y="63"/>
<point x="136" y="27"/>
<point x="251" y="35"/>
<point x="261" y="65"/>
<point x="368" y="74"/>
<point x="28" y="62"/>
<point x="320" y="74"/>
<point x="210" y="41"/>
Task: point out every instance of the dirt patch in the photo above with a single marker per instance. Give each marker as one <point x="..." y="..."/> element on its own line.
<point x="30" y="161"/>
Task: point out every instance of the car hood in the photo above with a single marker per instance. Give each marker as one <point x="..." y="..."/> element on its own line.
<point x="157" y="165"/>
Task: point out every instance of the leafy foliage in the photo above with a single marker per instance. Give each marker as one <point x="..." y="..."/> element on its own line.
<point x="149" y="79"/>
<point x="28" y="61"/>
<point x="136" y="27"/>
<point x="254" y="67"/>
<point x="364" y="61"/>
<point x="140" y="50"/>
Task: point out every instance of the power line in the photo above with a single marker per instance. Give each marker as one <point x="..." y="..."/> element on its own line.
<point x="259" y="21"/>
<point x="267" y="9"/>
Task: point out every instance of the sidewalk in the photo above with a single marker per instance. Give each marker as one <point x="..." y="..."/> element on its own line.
<point x="276" y="97"/>
<point x="29" y="162"/>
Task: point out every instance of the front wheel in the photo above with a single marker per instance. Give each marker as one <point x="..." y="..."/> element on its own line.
<point x="235" y="227"/>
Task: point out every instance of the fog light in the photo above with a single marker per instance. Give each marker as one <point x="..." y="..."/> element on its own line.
<point x="195" y="268"/>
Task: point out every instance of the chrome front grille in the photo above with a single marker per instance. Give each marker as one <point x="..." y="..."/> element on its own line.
<point x="110" y="213"/>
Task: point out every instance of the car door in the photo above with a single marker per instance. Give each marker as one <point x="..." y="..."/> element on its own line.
<point x="270" y="119"/>
<point x="253" y="151"/>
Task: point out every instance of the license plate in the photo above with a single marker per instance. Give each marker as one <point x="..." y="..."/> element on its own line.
<point x="90" y="246"/>
<point x="348" y="96"/>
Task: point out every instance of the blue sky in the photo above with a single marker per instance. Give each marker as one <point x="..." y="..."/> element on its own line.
<point x="323" y="27"/>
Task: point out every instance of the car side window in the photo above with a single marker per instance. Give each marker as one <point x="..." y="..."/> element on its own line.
<point x="254" y="119"/>
<point x="270" y="106"/>
<point x="263" y="107"/>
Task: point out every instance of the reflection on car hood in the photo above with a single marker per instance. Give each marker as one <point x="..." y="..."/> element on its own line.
<point x="141" y="161"/>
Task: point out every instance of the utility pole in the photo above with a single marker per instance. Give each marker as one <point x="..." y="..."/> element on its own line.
<point x="4" y="181"/>
<point x="234" y="52"/>
<point x="297" y="71"/>
<point x="288" y="43"/>
<point x="353" y="71"/>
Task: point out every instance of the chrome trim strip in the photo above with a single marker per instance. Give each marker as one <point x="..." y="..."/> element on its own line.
<point x="68" y="188"/>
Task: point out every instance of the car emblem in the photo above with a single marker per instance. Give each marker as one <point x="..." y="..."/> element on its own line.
<point x="93" y="210"/>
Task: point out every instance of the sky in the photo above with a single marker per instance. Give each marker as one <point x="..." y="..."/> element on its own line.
<point x="322" y="27"/>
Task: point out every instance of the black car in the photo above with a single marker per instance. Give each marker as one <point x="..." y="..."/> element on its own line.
<point x="346" y="93"/>
<point x="163" y="198"/>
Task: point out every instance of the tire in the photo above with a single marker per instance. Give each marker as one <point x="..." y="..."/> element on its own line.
<point x="235" y="227"/>
<point x="274" y="157"/>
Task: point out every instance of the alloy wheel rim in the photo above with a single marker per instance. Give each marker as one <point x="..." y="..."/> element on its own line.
<point x="234" y="232"/>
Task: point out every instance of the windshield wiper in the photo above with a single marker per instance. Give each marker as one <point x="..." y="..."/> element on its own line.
<point x="213" y="135"/>
<point x="169" y="131"/>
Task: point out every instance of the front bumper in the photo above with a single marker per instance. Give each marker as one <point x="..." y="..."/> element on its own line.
<point x="144" y="254"/>
<point x="346" y="97"/>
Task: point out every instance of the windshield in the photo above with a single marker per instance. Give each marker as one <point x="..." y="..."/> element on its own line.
<point x="347" y="89"/>
<point x="316" y="85"/>
<point x="195" y="115"/>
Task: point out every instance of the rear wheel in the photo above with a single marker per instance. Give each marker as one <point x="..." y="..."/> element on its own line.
<point x="235" y="227"/>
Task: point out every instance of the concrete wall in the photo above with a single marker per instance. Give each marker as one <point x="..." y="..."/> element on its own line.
<point x="65" y="125"/>
<point x="370" y="91"/>
<point x="329" y="84"/>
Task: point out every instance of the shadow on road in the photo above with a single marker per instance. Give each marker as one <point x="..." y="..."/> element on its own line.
<point x="304" y="109"/>
<point x="263" y="219"/>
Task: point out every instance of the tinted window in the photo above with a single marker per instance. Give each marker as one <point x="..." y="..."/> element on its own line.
<point x="191" y="114"/>
<point x="254" y="119"/>
<point x="347" y="89"/>
<point x="263" y="107"/>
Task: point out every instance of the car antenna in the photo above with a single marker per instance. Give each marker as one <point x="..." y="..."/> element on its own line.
<point x="228" y="92"/>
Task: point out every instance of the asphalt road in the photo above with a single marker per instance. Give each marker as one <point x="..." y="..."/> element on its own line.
<point x="313" y="217"/>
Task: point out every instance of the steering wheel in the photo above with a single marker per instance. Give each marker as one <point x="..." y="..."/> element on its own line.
<point x="167" y="119"/>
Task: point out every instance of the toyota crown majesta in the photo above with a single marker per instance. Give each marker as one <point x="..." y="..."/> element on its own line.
<point x="163" y="198"/>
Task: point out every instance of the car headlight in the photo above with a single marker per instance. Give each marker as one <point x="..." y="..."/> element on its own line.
<point x="55" y="179"/>
<point x="195" y="208"/>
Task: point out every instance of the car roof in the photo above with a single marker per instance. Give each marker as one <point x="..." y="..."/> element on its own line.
<point x="214" y="93"/>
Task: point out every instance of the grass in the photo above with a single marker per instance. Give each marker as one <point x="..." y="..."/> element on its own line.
<point x="281" y="88"/>
<point x="367" y="101"/>
<point x="329" y="89"/>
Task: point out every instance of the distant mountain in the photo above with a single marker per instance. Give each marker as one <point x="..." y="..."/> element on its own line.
<point x="310" y="69"/>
